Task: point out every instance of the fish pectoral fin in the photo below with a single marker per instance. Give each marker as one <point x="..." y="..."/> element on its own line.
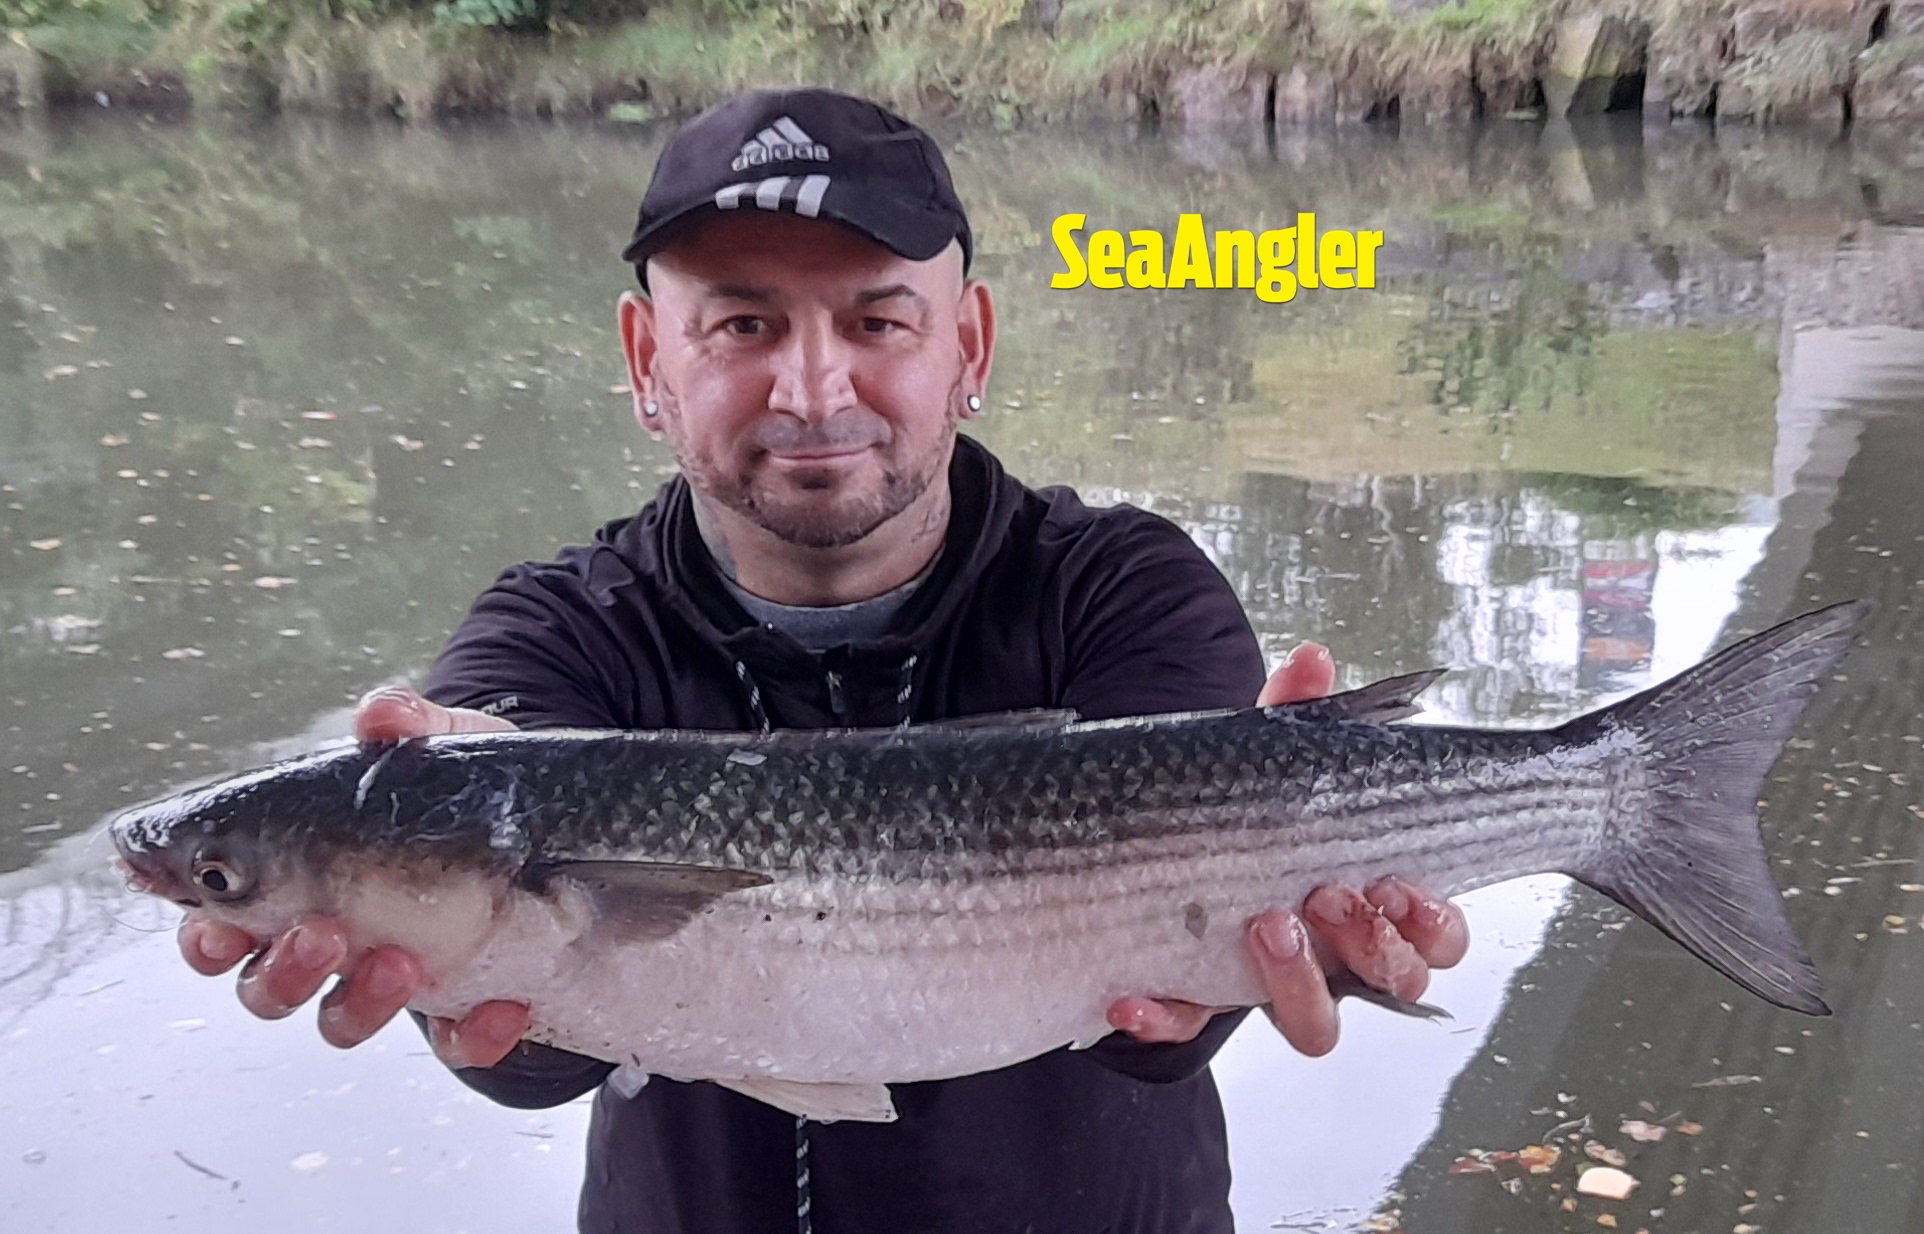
<point x="823" y="1102"/>
<point x="653" y="899"/>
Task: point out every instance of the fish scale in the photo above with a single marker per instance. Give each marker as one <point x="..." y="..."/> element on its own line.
<point x="809" y="916"/>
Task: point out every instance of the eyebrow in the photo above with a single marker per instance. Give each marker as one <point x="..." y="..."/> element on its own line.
<point x="764" y="295"/>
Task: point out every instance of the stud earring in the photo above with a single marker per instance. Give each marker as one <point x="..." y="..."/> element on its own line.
<point x="975" y="402"/>
<point x="651" y="409"/>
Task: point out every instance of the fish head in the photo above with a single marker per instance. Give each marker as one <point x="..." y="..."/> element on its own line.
<point x="208" y="849"/>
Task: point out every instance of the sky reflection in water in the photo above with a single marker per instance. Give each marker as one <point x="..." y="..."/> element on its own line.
<point x="279" y="399"/>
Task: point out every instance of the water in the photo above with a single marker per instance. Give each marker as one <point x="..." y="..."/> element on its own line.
<point x="277" y="399"/>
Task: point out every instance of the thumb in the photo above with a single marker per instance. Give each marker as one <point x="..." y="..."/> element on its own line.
<point x="396" y="713"/>
<point x="1307" y="672"/>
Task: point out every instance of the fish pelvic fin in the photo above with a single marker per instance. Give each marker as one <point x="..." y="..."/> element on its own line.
<point x="823" y="1102"/>
<point x="1695" y="867"/>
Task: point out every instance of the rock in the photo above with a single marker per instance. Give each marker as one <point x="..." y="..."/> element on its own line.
<point x="1890" y="88"/>
<point x="1305" y="96"/>
<point x="1221" y="93"/>
<point x="1593" y="58"/>
<point x="1507" y="81"/>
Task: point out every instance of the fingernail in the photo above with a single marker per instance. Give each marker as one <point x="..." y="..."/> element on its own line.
<point x="384" y="983"/>
<point x="313" y="949"/>
<point x="1393" y="902"/>
<point x="1331" y="905"/>
<point x="399" y="695"/>
<point x="1281" y="935"/>
<point x="224" y="948"/>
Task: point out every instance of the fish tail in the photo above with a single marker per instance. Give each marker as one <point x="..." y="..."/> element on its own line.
<point x="1692" y="861"/>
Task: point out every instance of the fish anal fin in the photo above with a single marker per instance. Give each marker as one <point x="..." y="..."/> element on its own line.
<point x="1349" y="985"/>
<point x="649" y="899"/>
<point x="823" y="1102"/>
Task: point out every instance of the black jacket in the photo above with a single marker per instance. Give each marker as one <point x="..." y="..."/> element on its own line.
<point x="1035" y="601"/>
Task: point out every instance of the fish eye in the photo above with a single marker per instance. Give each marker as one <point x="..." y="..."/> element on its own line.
<point x="218" y="878"/>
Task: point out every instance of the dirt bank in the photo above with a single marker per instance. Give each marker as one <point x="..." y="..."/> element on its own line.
<point x="1262" y="63"/>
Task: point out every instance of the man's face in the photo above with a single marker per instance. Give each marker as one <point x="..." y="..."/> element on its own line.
<point x="808" y="378"/>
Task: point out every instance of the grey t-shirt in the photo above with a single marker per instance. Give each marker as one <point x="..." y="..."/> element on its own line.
<point x="818" y="629"/>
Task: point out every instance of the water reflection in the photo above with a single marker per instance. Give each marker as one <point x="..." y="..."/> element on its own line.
<point x="276" y="400"/>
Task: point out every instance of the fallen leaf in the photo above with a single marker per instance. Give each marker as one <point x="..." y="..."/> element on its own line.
<point x="182" y="653"/>
<point x="45" y="546"/>
<point x="1539" y="1158"/>
<point x="1688" y="1128"/>
<point x="1607" y="1220"/>
<point x="1470" y="1165"/>
<point x="234" y="340"/>
<point x="313" y="443"/>
<point x="1642" y="1132"/>
<point x="136" y="394"/>
<point x="317" y="415"/>
<point x="61" y="370"/>
<point x="307" y="1163"/>
<point x="406" y="443"/>
<point x="1604" y="1153"/>
<point x="1606" y="1181"/>
<point x="268" y="582"/>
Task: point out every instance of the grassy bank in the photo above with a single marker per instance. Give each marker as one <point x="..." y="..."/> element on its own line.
<point x="1005" y="61"/>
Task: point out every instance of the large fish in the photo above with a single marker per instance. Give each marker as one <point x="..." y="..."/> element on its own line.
<point x="808" y="916"/>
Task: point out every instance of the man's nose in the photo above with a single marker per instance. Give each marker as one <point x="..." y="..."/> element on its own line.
<point x="812" y="378"/>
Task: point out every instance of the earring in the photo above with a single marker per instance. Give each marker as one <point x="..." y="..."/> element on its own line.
<point x="975" y="402"/>
<point x="651" y="409"/>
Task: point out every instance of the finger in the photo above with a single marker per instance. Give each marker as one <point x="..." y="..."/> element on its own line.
<point x="292" y="968"/>
<point x="1364" y="942"/>
<point x="395" y="713"/>
<point x="1436" y="928"/>
<point x="1159" y="1019"/>
<point x="212" y="947"/>
<point x="1305" y="673"/>
<point x="1300" y="1004"/>
<point x="483" y="1037"/>
<point x="380" y="984"/>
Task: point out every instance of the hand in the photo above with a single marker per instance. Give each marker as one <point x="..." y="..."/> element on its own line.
<point x="285" y="972"/>
<point x="1390" y="936"/>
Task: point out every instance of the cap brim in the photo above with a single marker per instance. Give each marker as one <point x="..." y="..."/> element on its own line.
<point x="908" y="230"/>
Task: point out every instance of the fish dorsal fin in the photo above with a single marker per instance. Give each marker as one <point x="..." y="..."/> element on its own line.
<point x="825" y="1103"/>
<point x="1041" y="718"/>
<point x="1380" y="702"/>
<point x="651" y="898"/>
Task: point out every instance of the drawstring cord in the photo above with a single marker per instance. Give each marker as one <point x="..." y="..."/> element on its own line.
<point x="838" y="703"/>
<point x="905" y="686"/>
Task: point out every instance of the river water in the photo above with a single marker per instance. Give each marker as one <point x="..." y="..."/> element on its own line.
<point x="278" y="398"/>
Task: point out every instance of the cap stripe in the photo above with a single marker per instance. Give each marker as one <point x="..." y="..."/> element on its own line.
<point x="769" y="137"/>
<point x="808" y="202"/>
<point x="768" y="194"/>
<point x="731" y="197"/>
<point x="793" y="132"/>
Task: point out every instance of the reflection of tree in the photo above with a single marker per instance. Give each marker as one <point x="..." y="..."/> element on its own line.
<point x="57" y="918"/>
<point x="1618" y="1019"/>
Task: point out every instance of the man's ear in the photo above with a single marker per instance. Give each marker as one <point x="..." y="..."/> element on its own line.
<point x="636" y="318"/>
<point x="975" y="333"/>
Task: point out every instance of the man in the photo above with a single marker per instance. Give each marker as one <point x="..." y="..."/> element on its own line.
<point x="833" y="554"/>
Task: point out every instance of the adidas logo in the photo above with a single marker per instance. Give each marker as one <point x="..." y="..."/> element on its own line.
<point x="781" y="141"/>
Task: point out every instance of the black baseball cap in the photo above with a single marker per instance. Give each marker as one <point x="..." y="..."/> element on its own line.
<point x="812" y="152"/>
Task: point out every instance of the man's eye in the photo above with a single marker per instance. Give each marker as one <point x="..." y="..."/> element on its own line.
<point x="879" y="325"/>
<point x="747" y="327"/>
